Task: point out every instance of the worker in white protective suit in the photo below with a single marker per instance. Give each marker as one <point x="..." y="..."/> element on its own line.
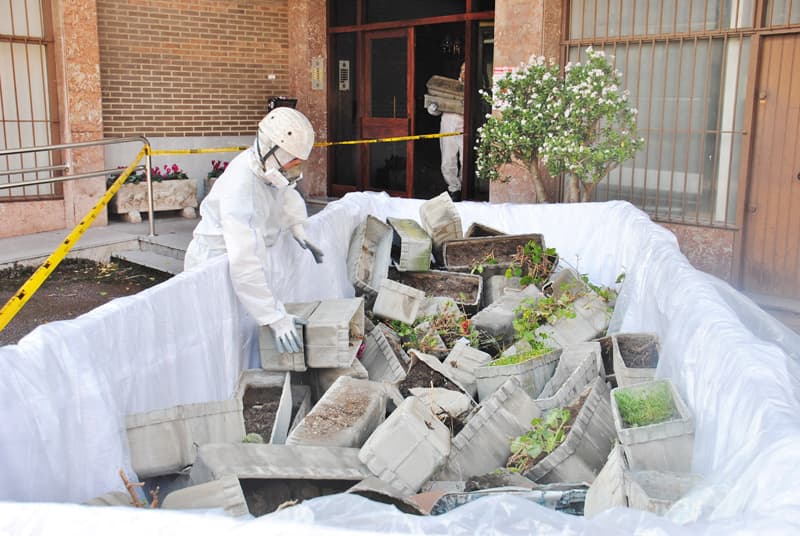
<point x="249" y="205"/>
<point x="451" y="146"/>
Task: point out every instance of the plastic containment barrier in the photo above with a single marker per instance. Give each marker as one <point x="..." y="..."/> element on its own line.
<point x="67" y="386"/>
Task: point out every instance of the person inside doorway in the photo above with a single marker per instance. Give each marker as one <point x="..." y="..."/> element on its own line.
<point x="451" y="146"/>
<point x="251" y="203"/>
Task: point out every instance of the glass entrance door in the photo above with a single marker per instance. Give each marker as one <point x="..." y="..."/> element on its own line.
<point x="386" y="166"/>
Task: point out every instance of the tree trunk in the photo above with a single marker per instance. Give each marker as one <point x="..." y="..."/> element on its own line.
<point x="573" y="189"/>
<point x="588" y="189"/>
<point x="538" y="183"/>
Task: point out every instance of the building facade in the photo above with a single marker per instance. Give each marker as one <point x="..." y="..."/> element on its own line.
<point x="719" y="105"/>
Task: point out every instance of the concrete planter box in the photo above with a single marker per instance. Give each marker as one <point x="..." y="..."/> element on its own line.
<point x="334" y="333"/>
<point x="225" y="493"/>
<point x="635" y="357"/>
<point x="301" y="404"/>
<point x="322" y="379"/>
<point x="131" y="199"/>
<point x="345" y="416"/>
<point x="273" y="360"/>
<point x="608" y="489"/>
<point x="258" y="378"/>
<point x="369" y="256"/>
<point x="591" y="313"/>
<point x="483" y="444"/>
<point x="657" y="491"/>
<point x="497" y="318"/>
<point x="478" y="229"/>
<point x="576" y="369"/>
<point x="276" y="462"/>
<point x="494" y="287"/>
<point x="408" y="448"/>
<point x="532" y="374"/>
<point x="397" y="301"/>
<point x="463" y="255"/>
<point x="583" y="452"/>
<point x="396" y="343"/>
<point x="440" y="219"/>
<point x="464" y="289"/>
<point x="463" y="360"/>
<point x="380" y="359"/>
<point x="665" y="446"/>
<point x="165" y="441"/>
<point x="415" y="245"/>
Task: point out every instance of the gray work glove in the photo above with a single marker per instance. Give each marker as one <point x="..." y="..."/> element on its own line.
<point x="287" y="337"/>
<point x="299" y="234"/>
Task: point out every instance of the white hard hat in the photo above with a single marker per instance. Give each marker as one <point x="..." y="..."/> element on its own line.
<point x="288" y="129"/>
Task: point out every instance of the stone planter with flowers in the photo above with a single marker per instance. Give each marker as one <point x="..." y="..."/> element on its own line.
<point x="172" y="190"/>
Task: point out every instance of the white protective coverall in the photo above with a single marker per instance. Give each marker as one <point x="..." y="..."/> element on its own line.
<point x="451" y="150"/>
<point x="243" y="216"/>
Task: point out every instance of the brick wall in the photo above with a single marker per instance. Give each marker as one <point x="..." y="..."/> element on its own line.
<point x="190" y="69"/>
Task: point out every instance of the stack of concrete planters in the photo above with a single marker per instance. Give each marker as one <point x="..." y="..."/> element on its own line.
<point x="441" y="221"/>
<point x="533" y="374"/>
<point x="665" y="446"/>
<point x="580" y="457"/>
<point x="369" y="256"/>
<point x="415" y="245"/>
<point x="635" y="357"/>
<point x="273" y="360"/>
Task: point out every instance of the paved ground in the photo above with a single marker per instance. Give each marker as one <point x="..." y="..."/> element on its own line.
<point x="75" y="287"/>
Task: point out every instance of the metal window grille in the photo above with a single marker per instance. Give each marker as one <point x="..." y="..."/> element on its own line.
<point x="685" y="64"/>
<point x="26" y="111"/>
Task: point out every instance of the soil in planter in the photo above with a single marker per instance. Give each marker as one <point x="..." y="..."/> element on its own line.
<point x="327" y="419"/>
<point x="421" y="375"/>
<point x="471" y="253"/>
<point x="264" y="496"/>
<point x="463" y="290"/>
<point x="260" y="408"/>
<point x="638" y="351"/>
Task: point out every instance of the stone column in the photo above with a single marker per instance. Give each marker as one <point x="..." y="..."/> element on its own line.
<point x="77" y="59"/>
<point x="523" y="28"/>
<point x="307" y="43"/>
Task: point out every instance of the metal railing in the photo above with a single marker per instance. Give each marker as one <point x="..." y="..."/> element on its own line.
<point x="65" y="167"/>
<point x="24" y="293"/>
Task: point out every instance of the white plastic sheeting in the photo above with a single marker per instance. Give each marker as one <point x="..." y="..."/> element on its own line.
<point x="66" y="388"/>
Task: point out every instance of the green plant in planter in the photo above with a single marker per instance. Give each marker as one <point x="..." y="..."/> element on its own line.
<point x="543" y="437"/>
<point x="478" y="266"/>
<point x="538" y="348"/>
<point x="158" y="174"/>
<point x="449" y="325"/>
<point x="642" y="407"/>
<point x="532" y="258"/>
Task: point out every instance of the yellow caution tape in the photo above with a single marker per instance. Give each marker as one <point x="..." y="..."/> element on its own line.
<point x="389" y="140"/>
<point x="163" y="152"/>
<point x="21" y="297"/>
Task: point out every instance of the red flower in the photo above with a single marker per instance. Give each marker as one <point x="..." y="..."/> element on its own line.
<point x="465" y="327"/>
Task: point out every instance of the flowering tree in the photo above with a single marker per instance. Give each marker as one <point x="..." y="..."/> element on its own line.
<point x="579" y="124"/>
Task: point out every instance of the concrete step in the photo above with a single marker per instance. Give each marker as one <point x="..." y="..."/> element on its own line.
<point x="150" y="259"/>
